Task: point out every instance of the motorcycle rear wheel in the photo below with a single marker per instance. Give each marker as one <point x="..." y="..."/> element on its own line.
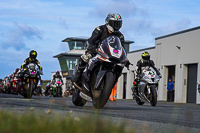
<point x="76" y="99"/>
<point x="107" y="85"/>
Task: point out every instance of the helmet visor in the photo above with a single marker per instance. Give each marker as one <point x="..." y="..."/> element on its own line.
<point x="146" y="57"/>
<point x="116" y="24"/>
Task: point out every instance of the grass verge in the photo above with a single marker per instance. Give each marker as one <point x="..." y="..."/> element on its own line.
<point x="31" y="122"/>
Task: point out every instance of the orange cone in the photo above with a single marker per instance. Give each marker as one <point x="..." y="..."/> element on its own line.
<point x="111" y="96"/>
<point x="113" y="93"/>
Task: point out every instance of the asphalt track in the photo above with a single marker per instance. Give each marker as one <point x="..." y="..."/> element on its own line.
<point x="166" y="114"/>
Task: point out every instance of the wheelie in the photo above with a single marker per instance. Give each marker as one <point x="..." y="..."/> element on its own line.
<point x="146" y="81"/>
<point x="104" y="61"/>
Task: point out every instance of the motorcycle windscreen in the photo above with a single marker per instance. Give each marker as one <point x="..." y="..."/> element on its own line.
<point x="32" y="66"/>
<point x="114" y="42"/>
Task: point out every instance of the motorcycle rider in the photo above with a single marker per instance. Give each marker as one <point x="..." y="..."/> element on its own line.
<point x="31" y="59"/>
<point x="111" y="27"/>
<point x="141" y="65"/>
<point x="56" y="76"/>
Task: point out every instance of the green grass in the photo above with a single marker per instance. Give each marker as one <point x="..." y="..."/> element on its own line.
<point x="31" y="122"/>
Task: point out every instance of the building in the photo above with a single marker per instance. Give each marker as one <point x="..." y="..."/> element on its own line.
<point x="176" y="55"/>
<point x="68" y="60"/>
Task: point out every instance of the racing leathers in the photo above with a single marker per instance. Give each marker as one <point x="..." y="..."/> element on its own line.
<point x="56" y="76"/>
<point x="28" y="61"/>
<point x="141" y="65"/>
<point x="99" y="34"/>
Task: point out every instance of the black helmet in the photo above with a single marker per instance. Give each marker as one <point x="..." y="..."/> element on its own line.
<point x="33" y="54"/>
<point x="113" y="22"/>
<point x="145" y="56"/>
<point x="57" y="72"/>
<point x="17" y="69"/>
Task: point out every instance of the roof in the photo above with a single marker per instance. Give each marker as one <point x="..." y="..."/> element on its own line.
<point x="73" y="52"/>
<point x="85" y="39"/>
<point x="75" y="39"/>
<point x="67" y="54"/>
<point x="180" y="32"/>
<point x="142" y="49"/>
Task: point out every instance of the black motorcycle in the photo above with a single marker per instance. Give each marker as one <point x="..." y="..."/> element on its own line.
<point x="101" y="73"/>
<point x="31" y="78"/>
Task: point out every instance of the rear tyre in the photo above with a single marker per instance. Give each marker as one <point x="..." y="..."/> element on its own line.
<point x="153" y="99"/>
<point x="106" y="85"/>
<point x="138" y="101"/>
<point x="57" y="91"/>
<point x="76" y="99"/>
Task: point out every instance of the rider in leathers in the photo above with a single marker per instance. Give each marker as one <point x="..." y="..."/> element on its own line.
<point x="112" y="26"/>
<point x="56" y="76"/>
<point x="141" y="65"/>
<point x="31" y="59"/>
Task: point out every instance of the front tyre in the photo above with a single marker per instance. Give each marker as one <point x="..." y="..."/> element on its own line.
<point x="153" y="98"/>
<point x="76" y="99"/>
<point x="106" y="86"/>
<point x="29" y="89"/>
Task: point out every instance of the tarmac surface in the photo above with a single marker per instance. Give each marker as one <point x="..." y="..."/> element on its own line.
<point x="166" y="116"/>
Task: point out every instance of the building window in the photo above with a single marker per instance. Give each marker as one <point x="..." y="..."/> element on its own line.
<point x="71" y="63"/>
<point x="76" y="45"/>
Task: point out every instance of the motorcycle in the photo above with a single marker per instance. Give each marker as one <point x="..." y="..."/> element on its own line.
<point x="7" y="86"/>
<point x="57" y="89"/>
<point x="14" y="85"/>
<point x="101" y="74"/>
<point x="147" y="87"/>
<point x="69" y="91"/>
<point x="31" y="77"/>
<point x="38" y="90"/>
<point x="48" y="91"/>
<point x="1" y="88"/>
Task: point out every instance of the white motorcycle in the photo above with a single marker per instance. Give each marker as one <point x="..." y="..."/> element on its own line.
<point x="147" y="87"/>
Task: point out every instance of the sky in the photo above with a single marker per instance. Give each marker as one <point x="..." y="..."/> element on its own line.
<point x="41" y="25"/>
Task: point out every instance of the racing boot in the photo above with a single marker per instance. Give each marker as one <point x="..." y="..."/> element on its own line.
<point x="78" y="73"/>
<point x="85" y="92"/>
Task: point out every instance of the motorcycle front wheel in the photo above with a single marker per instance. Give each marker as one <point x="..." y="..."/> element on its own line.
<point x="28" y="89"/>
<point x="106" y="85"/>
<point x="153" y="98"/>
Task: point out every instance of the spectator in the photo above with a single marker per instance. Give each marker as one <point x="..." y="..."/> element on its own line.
<point x="170" y="88"/>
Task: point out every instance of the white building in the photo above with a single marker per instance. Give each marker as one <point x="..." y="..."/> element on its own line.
<point x="177" y="57"/>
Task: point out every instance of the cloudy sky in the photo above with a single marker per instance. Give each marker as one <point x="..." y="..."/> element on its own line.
<point x="42" y="25"/>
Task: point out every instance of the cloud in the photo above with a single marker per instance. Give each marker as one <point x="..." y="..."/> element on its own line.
<point x="18" y="35"/>
<point x="63" y="24"/>
<point x="172" y="27"/>
<point x="125" y="8"/>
